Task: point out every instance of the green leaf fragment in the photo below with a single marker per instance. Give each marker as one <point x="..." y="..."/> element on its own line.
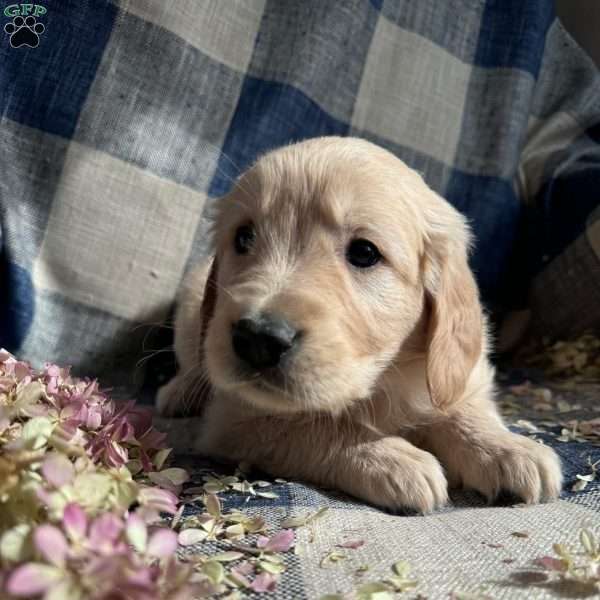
<point x="401" y="568"/>
<point x="270" y="567"/>
<point x="228" y="556"/>
<point x="588" y="542"/>
<point x="213" y="505"/>
<point x="214" y="571"/>
<point x="15" y="544"/>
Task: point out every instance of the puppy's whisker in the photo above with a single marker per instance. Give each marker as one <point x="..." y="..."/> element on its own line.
<point x="154" y="353"/>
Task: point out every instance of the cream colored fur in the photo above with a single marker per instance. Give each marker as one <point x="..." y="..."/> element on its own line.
<point x="390" y="395"/>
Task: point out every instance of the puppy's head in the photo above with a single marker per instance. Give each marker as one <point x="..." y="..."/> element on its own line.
<point x="332" y="260"/>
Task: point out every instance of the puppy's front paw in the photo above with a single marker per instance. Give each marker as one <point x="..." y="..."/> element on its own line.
<point x="514" y="464"/>
<point x="396" y="475"/>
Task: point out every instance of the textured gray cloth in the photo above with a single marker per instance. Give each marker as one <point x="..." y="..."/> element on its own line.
<point x="462" y="548"/>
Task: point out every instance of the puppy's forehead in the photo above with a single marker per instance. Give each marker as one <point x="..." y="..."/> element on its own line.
<point x="337" y="185"/>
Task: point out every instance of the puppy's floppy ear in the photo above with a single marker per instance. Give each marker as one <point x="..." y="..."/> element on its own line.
<point x="210" y="297"/>
<point x="454" y="332"/>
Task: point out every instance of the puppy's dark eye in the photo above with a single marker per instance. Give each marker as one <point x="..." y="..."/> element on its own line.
<point x="362" y="253"/>
<point x="244" y="238"/>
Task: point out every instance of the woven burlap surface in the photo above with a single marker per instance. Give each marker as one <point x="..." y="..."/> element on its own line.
<point x="466" y="548"/>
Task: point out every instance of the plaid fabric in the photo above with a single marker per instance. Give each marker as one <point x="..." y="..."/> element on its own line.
<point x="128" y="119"/>
<point x="466" y="548"/>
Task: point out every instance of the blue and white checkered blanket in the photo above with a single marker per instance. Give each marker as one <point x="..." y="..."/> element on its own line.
<point x="120" y="122"/>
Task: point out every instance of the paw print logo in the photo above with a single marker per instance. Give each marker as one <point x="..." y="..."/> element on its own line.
<point x="24" y="31"/>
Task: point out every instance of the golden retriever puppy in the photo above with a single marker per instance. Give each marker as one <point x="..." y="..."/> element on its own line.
<point x="337" y="336"/>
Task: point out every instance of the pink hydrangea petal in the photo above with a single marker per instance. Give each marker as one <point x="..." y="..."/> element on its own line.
<point x="74" y="410"/>
<point x="140" y="578"/>
<point x="146" y="462"/>
<point x="32" y="579"/>
<point x="94" y="418"/>
<point x="57" y="469"/>
<point x="51" y="544"/>
<point x="21" y="370"/>
<point x="262" y="541"/>
<point x="116" y="455"/>
<point x="104" y="530"/>
<point x="52" y="370"/>
<point x="153" y="439"/>
<point x="551" y="563"/>
<point x="265" y="582"/>
<point x="141" y="420"/>
<point x="352" y="544"/>
<point x="101" y="568"/>
<point x="52" y="387"/>
<point x="158" y="499"/>
<point x="282" y="541"/>
<point x="74" y="521"/>
<point x="244" y="568"/>
<point x="162" y="543"/>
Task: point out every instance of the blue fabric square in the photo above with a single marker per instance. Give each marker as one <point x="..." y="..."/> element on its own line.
<point x="16" y="308"/>
<point x="318" y="47"/>
<point x="563" y="206"/>
<point x="594" y="133"/>
<point x="493" y="211"/>
<point x="45" y="87"/>
<point x="268" y="115"/>
<point x="513" y="33"/>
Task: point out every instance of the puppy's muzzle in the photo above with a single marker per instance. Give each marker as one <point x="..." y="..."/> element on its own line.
<point x="262" y="341"/>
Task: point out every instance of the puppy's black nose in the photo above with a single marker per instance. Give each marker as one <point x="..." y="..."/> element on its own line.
<point x="261" y="341"/>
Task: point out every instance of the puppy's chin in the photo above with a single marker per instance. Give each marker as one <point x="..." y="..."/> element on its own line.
<point x="277" y="394"/>
<point x="263" y="395"/>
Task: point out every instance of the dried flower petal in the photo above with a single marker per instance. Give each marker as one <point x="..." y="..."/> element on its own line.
<point x="551" y="563"/>
<point x="15" y="544"/>
<point x="57" y="469"/>
<point x="51" y="544"/>
<point x="162" y="543"/>
<point x="264" y="582"/>
<point x="282" y="541"/>
<point x="352" y="544"/>
<point x="189" y="537"/>
<point x="74" y="521"/>
<point x="32" y="579"/>
<point x="137" y="533"/>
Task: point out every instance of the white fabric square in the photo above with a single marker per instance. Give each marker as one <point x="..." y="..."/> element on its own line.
<point x="225" y="30"/>
<point x="117" y="237"/>
<point x="422" y="108"/>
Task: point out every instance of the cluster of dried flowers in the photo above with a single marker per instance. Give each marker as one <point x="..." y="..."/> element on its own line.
<point x="579" y="566"/>
<point x="88" y="509"/>
<point x="73" y="465"/>
<point x="578" y="359"/>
